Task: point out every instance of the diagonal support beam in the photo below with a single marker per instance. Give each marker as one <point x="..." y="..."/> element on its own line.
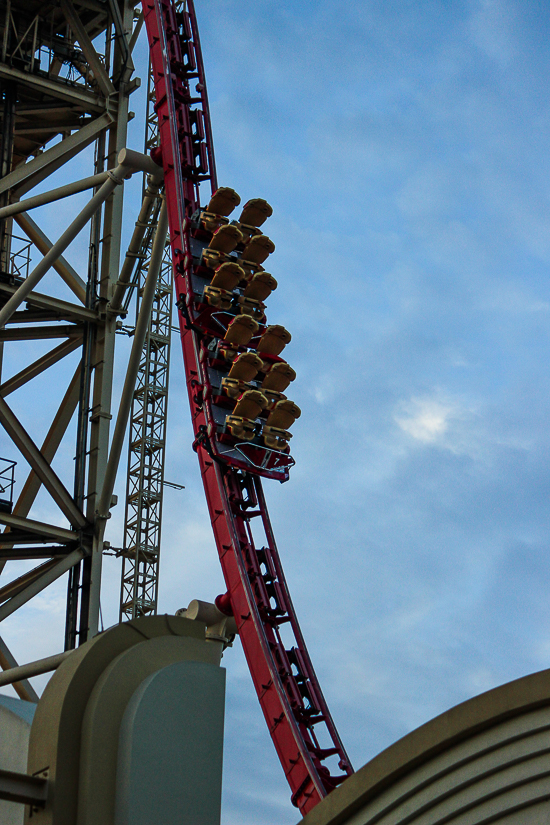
<point x="53" y="195"/>
<point x="42" y="468"/>
<point x="116" y="178"/>
<point x="61" y="266"/>
<point x="128" y="163"/>
<point x="17" y="538"/>
<point x="48" y="532"/>
<point x="92" y="57"/>
<point x="32" y="551"/>
<point x="49" y="448"/>
<point x="34" y="668"/>
<point x="27" y="175"/>
<point x="38" y="333"/>
<point x="38" y="366"/>
<point x="149" y="197"/>
<point x="136" y="32"/>
<point x="84" y="99"/>
<point x="61" y="309"/>
<point x="35" y="587"/>
<point x="23" y="687"/>
<point x="17" y="586"/>
<point x="50" y="444"/>
<point x="127" y="62"/>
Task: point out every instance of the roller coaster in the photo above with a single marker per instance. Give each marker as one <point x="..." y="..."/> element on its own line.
<point x="67" y="76"/>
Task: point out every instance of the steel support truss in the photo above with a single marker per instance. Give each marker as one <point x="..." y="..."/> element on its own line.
<point x="66" y="76"/>
<point x="61" y="93"/>
<point x="147" y="441"/>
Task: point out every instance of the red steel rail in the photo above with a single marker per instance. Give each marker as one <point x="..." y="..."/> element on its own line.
<point x="295" y="710"/>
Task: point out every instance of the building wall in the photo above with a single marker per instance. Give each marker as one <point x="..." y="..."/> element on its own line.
<point x="486" y="760"/>
<point x="15" y="725"/>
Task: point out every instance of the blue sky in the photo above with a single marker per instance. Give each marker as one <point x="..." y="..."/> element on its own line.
<point x="404" y="148"/>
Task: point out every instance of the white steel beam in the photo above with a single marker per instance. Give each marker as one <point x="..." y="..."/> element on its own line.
<point x="78" y="95"/>
<point x="39" y="366"/>
<point x="49" y="532"/>
<point x="42" y="468"/>
<point x="36" y="587"/>
<point x="22" y="687"/>
<point x="100" y="75"/>
<point x="61" y="266"/>
<point x="49" y="448"/>
<point x="15" y="674"/>
<point x="27" y="175"/>
<point x="53" y="195"/>
<point x="149" y="197"/>
<point x="115" y="179"/>
<point x="64" y="310"/>
<point x="36" y="333"/>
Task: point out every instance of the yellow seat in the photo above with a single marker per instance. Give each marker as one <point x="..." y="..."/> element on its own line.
<point x="274" y="340"/>
<point x="250" y="404"/>
<point x="240" y="330"/>
<point x="226" y="352"/>
<point x="258" y="248"/>
<point x="255" y="212"/>
<point x="246" y="366"/>
<point x="283" y="415"/>
<point x="279" y="377"/>
<point x="250" y="269"/>
<point x="275" y="438"/>
<point x="273" y="397"/>
<point x="212" y="258"/>
<point x="223" y="201"/>
<point x="241" y="427"/>
<point x="248" y="230"/>
<point x="225" y="239"/>
<point x="233" y="387"/>
<point x="228" y="276"/>
<point x="211" y="221"/>
<point x="260" y="286"/>
<point x="248" y="306"/>
<point x="217" y="297"/>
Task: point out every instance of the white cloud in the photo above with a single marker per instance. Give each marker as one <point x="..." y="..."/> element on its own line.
<point x="426" y="419"/>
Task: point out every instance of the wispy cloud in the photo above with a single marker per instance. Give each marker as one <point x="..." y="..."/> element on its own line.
<point x="426" y="419"/>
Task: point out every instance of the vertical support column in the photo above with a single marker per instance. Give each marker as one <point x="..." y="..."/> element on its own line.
<point x="103" y="356"/>
<point x="75" y="573"/>
<point x="9" y="91"/>
<point x="6" y="152"/>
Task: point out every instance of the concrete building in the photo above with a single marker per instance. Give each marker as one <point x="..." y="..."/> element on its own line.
<point x="15" y="723"/>
<point x="486" y="760"/>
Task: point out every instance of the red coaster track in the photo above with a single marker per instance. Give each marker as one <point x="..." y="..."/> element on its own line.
<point x="296" y="713"/>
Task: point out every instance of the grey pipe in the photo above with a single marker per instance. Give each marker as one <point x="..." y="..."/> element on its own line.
<point x="16" y="674"/>
<point x="137" y="161"/>
<point x="133" y="363"/>
<point x="53" y="195"/>
<point x="149" y="197"/>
